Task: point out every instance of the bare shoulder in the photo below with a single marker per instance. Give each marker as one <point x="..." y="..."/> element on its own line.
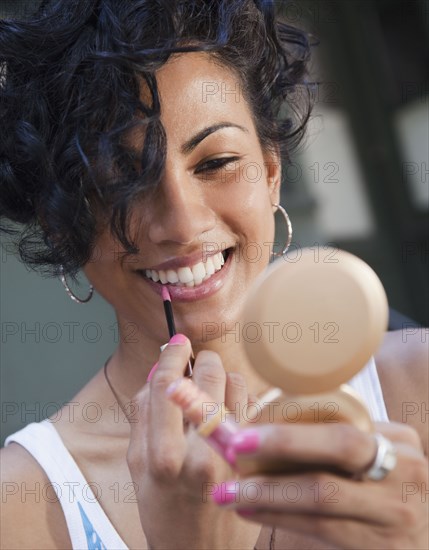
<point x="403" y="366"/>
<point x="30" y="512"/>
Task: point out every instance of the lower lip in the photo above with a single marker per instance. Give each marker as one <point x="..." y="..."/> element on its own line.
<point x="189" y="294"/>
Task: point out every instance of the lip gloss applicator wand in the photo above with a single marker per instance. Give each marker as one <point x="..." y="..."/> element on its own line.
<point x="170" y="322"/>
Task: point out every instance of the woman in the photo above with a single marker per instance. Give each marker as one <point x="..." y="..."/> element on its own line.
<point x="132" y="164"/>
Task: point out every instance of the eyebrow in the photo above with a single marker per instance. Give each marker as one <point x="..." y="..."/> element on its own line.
<point x="190" y="145"/>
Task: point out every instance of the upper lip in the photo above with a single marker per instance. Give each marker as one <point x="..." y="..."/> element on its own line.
<point x="185" y="261"/>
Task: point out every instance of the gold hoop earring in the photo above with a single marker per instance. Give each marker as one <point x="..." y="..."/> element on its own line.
<point x="71" y="293"/>
<point x="289" y="232"/>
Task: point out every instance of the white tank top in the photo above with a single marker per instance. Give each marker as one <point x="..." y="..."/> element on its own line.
<point x="88" y="525"/>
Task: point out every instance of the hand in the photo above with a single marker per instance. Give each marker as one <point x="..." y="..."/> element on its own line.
<point x="391" y="513"/>
<point x="171" y="465"/>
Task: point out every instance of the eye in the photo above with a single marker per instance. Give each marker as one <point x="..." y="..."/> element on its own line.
<point x="213" y="165"/>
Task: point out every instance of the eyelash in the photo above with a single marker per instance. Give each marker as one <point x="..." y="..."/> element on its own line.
<point x="215" y="164"/>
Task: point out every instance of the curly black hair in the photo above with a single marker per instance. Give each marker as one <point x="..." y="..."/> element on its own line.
<point x="70" y="86"/>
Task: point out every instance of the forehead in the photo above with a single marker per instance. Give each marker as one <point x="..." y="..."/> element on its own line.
<point x="196" y="91"/>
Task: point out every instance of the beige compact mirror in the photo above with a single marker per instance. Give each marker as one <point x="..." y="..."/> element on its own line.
<point x="310" y="325"/>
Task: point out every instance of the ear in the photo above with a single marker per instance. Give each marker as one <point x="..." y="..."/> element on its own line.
<point x="273" y="171"/>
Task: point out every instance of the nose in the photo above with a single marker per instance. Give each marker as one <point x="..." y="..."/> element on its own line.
<point x="180" y="213"/>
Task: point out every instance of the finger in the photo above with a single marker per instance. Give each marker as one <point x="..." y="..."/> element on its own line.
<point x="400" y="433"/>
<point x="202" y="463"/>
<point x="236" y="401"/>
<point x="236" y="395"/>
<point x="349" y="448"/>
<point x="252" y="410"/>
<point x="315" y="494"/>
<point x="252" y="399"/>
<point x="210" y="376"/>
<point x="166" y="441"/>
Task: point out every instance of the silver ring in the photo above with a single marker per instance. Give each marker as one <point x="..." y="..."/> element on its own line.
<point x="385" y="459"/>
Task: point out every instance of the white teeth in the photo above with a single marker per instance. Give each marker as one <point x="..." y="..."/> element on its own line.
<point x="199" y="272"/>
<point x="188" y="276"/>
<point x="185" y="274"/>
<point x="216" y="262"/>
<point x="209" y="266"/>
<point x="172" y="276"/>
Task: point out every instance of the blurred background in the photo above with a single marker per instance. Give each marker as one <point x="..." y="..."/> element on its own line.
<point x="360" y="182"/>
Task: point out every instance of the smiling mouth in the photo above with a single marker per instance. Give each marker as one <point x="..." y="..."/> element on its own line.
<point x="191" y="276"/>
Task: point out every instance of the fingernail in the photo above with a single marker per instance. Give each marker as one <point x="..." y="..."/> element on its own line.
<point x="177" y="340"/>
<point x="226" y="492"/>
<point x="171" y="388"/>
<point x="152" y="370"/>
<point x="245" y="441"/>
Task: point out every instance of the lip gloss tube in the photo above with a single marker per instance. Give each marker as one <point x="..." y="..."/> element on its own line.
<point x="214" y="427"/>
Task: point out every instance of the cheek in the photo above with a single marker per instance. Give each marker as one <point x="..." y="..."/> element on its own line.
<point x="247" y="205"/>
<point x="102" y="255"/>
<point x="246" y="210"/>
<point x="105" y="258"/>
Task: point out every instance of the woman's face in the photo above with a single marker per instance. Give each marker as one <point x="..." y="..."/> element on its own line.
<point x="216" y="194"/>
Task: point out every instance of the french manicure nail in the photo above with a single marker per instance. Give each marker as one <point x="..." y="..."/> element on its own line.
<point x="152" y="370"/>
<point x="245" y="441"/>
<point x="177" y="340"/>
<point x="226" y="492"/>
